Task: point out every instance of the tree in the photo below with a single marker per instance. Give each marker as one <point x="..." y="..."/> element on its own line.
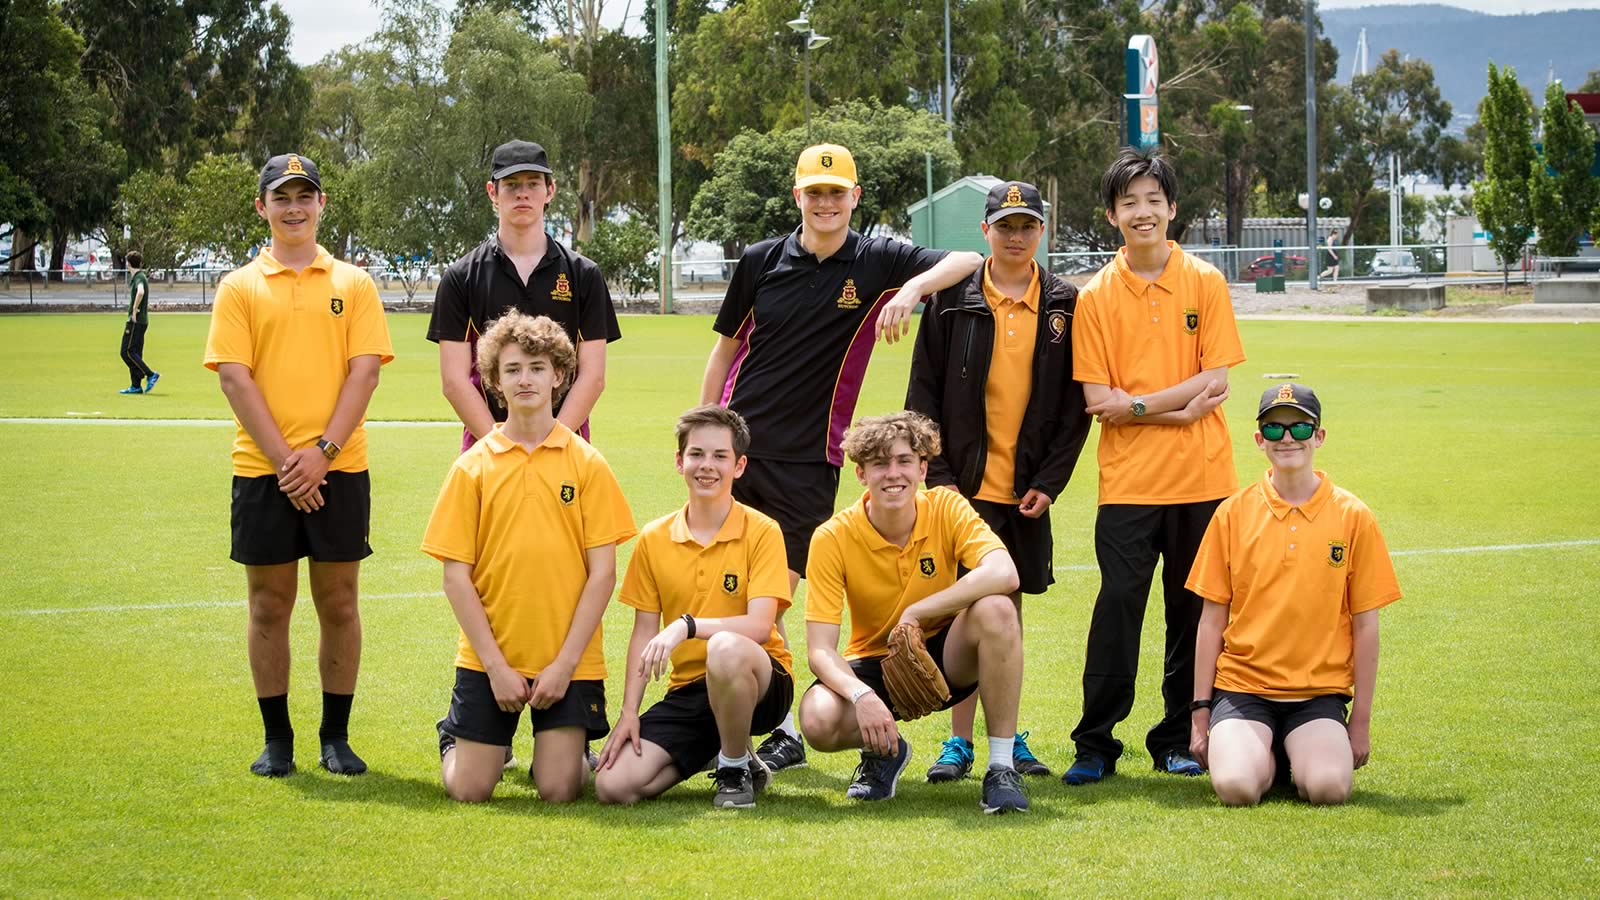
<point x="749" y="198"/>
<point x="626" y="252"/>
<point x="218" y="213"/>
<point x="1501" y="197"/>
<point x="149" y="207"/>
<point x="78" y="182"/>
<point x="1563" y="193"/>
<point x="1591" y="85"/>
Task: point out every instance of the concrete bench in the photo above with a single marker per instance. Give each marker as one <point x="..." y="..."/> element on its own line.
<point x="1567" y="290"/>
<point x="1411" y="297"/>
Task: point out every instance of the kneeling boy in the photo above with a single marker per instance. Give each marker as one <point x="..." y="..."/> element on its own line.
<point x="527" y="526"/>
<point x="1295" y="571"/>
<point x="894" y="557"/>
<point x="716" y="572"/>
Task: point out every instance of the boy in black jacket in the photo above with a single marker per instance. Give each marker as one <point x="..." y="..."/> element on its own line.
<point x="993" y="367"/>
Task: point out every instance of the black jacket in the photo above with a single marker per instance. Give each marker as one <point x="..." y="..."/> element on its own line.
<point x="951" y="364"/>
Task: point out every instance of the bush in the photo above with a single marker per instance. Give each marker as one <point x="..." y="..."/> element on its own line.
<point x="626" y="253"/>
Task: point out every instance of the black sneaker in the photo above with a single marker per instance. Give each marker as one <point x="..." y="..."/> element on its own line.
<point x="782" y="751"/>
<point x="338" y="758"/>
<point x="1002" y="792"/>
<point x="954" y="762"/>
<point x="1023" y="760"/>
<point x="735" y="788"/>
<point x="276" y="760"/>
<point x="877" y="775"/>
<point x="760" y="776"/>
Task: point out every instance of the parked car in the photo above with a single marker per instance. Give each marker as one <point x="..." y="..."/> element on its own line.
<point x="1394" y="262"/>
<point x="1264" y="265"/>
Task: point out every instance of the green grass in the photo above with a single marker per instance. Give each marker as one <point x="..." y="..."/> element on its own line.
<point x="129" y="730"/>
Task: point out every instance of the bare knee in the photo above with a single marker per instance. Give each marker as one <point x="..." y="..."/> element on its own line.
<point x="469" y="790"/>
<point x="728" y="654"/>
<point x="614" y="789"/>
<point x="1324" y="785"/>
<point x="819" y="722"/>
<point x="338" y="610"/>
<point x="270" y="607"/>
<point x="559" y="790"/>
<point x="996" y="616"/>
<point x="1237" y="789"/>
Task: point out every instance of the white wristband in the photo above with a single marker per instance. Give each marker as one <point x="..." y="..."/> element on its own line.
<point x="859" y="692"/>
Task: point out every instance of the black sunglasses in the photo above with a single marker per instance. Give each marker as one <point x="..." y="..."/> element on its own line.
<point x="1300" y="431"/>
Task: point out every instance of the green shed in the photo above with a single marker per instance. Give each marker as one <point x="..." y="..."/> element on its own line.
<point x="951" y="221"/>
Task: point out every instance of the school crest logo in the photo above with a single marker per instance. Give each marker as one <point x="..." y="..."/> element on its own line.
<point x="1191" y="320"/>
<point x="730" y="583"/>
<point x="569" y="492"/>
<point x="336" y="307"/>
<point x="1057" y="323"/>
<point x="294" y="167"/>
<point x="827" y="160"/>
<point x="848" y="298"/>
<point x="1013" y="197"/>
<point x="1336" y="553"/>
<point x="926" y="567"/>
<point x="1286" y="393"/>
<point x="562" y="292"/>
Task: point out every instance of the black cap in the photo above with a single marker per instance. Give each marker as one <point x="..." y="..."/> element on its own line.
<point x="1010" y="198"/>
<point x="286" y="167"/>
<point x="1293" y="395"/>
<point x="517" y="156"/>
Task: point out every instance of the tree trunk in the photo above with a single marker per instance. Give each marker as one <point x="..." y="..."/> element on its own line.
<point x="588" y="189"/>
<point x="1050" y="230"/>
<point x="58" y="253"/>
<point x="22" y="249"/>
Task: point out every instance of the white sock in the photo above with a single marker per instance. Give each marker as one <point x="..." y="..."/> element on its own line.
<point x="1000" y="752"/>
<point x="787" y="725"/>
<point x="724" y="762"/>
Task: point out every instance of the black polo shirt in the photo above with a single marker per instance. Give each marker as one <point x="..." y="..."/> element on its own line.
<point x="806" y="330"/>
<point x="477" y="288"/>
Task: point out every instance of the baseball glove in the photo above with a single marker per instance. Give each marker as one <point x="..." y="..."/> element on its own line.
<point x="916" y="686"/>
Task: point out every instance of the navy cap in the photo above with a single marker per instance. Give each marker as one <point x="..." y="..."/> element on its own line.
<point x="1293" y="395"/>
<point x="286" y="167"/>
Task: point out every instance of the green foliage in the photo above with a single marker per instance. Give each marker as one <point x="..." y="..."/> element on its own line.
<point x="38" y="69"/>
<point x="1563" y="193"/>
<point x="219" y="213"/>
<point x="151" y="208"/>
<point x="1501" y="199"/>
<point x="626" y="253"/>
<point x="751" y="195"/>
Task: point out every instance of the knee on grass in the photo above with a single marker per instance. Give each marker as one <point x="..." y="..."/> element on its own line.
<point x="1240" y="788"/>
<point x="613" y="788"/>
<point x="559" y="790"/>
<point x="1324" y="785"/>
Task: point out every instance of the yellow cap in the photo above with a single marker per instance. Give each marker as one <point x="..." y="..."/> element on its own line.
<point x="825" y="164"/>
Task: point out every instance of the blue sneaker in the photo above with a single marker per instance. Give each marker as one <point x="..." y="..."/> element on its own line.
<point x="1178" y="762"/>
<point x="1002" y="792"/>
<point x="1023" y="758"/>
<point x="954" y="762"/>
<point x="1087" y="769"/>
<point x="135" y="389"/>
<point x="150" y="383"/>
<point x="877" y="775"/>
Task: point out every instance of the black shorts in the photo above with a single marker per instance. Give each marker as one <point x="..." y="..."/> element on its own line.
<point x="268" y="530"/>
<point x="1027" y="540"/>
<point x="798" y="496"/>
<point x="1282" y="716"/>
<point x="474" y="716"/>
<point x="870" y="671"/>
<point x="682" y="723"/>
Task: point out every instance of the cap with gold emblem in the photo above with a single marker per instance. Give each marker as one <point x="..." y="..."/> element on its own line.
<point x="1011" y="198"/>
<point x="1293" y="395"/>
<point x="286" y="167"/>
<point x="825" y="164"/>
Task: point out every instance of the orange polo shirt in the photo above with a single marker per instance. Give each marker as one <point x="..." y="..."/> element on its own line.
<point x="1146" y="336"/>
<point x="297" y="332"/>
<point x="673" y="575"/>
<point x="1010" y="382"/>
<point x="852" y="563"/>
<point x="523" y="520"/>
<point x="1293" y="576"/>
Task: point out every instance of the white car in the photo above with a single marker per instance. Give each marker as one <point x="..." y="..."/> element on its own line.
<point x="1394" y="262"/>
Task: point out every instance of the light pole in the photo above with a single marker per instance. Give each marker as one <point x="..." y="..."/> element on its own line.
<point x="803" y="26"/>
<point x="949" y="101"/>
<point x="1311" y="143"/>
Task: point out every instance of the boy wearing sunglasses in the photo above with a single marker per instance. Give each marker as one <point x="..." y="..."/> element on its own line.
<point x="1294" y="570"/>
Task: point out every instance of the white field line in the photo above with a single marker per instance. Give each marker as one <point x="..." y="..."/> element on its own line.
<point x="417" y="595"/>
<point x="89" y="419"/>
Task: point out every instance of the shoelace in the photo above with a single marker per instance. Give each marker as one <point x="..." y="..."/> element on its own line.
<point x="954" y="753"/>
<point x="1008" y="778"/>
<point x="1019" y="748"/>
<point x="732" y="780"/>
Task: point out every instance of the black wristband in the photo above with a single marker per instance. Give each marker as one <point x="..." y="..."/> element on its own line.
<point x="1197" y="705"/>
<point x="688" y="621"/>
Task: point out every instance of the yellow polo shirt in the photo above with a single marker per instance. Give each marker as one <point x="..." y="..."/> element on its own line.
<point x="1292" y="576"/>
<point x="673" y="575"/>
<point x="852" y="563"/>
<point x="297" y="332"/>
<point x="1010" y="382"/>
<point x="523" y="521"/>
<point x="1146" y="336"/>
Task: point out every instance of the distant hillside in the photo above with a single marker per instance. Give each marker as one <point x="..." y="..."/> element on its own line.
<point x="1460" y="43"/>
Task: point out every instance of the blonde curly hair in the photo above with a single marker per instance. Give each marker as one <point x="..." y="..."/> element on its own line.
<point x="537" y="336"/>
<point x="872" y="438"/>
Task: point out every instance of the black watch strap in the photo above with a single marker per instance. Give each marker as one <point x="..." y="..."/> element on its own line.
<point x="1200" y="704"/>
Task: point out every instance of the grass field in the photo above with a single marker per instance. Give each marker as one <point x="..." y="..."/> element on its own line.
<point x="130" y="721"/>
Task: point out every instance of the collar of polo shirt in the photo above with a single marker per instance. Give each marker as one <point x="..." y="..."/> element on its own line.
<point x="1310" y="508"/>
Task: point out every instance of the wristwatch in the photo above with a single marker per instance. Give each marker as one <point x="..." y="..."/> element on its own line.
<point x="1197" y="705"/>
<point x="329" y="448"/>
<point x="1137" y="407"/>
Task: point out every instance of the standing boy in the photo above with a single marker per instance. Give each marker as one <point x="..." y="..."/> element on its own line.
<point x="794" y="337"/>
<point x="1295" y="570"/>
<point x="520" y="267"/>
<point x="1152" y="343"/>
<point x="297" y="338"/>
<point x="527" y="525"/>
<point x="138" y="323"/>
<point x="714" y="571"/>
<point x="997" y="350"/>
<point x="894" y="557"/>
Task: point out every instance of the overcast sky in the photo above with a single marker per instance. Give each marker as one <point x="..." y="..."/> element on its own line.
<point x="322" y="26"/>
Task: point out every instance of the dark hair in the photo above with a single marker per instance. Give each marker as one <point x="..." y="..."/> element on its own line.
<point x="1132" y="163"/>
<point x="135" y="259"/>
<point x="548" y="178"/>
<point x="712" y="415"/>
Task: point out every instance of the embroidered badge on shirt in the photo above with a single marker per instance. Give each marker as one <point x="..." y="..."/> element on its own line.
<point x="336" y="307"/>
<point x="849" y="299"/>
<point x="926" y="567"/>
<point x="562" y="291"/>
<point x="569" y="492"/>
<point x="1191" y="320"/>
<point x="1336" y="553"/>
<point x="1058" y="326"/>
<point x="730" y="583"/>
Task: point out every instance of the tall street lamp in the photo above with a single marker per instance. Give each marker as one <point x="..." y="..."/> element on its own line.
<point x="803" y="26"/>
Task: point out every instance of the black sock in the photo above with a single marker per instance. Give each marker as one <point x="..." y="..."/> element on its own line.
<point x="335" y="717"/>
<point x="275" y="718"/>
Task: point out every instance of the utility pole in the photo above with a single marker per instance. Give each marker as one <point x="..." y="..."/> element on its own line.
<point x="663" y="159"/>
<point x="1311" y="144"/>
